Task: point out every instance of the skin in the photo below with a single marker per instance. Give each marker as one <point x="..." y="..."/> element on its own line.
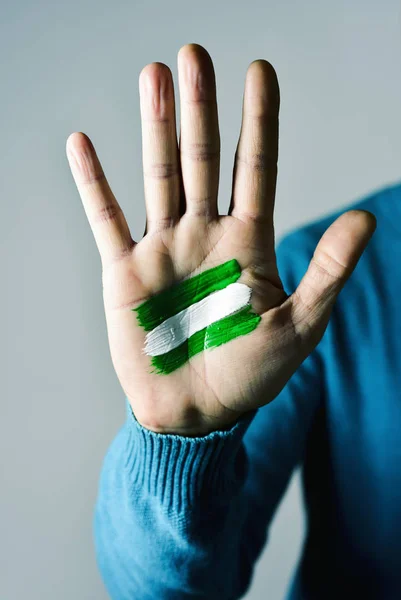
<point x="185" y="234"/>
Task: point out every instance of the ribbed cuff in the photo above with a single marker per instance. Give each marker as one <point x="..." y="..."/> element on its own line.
<point x="181" y="470"/>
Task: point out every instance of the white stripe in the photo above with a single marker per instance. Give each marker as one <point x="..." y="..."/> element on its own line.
<point x="175" y="330"/>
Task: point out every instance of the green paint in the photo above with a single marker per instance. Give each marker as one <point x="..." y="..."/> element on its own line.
<point x="216" y="334"/>
<point x="169" y="302"/>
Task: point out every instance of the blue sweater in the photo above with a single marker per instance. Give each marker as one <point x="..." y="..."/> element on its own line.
<point x="181" y="518"/>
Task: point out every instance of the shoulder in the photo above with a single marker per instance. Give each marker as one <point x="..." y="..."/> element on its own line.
<point x="295" y="247"/>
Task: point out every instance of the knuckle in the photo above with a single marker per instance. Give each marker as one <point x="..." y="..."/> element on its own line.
<point x="107" y="213"/>
<point x="157" y="224"/>
<point x="327" y="266"/>
<point x="201" y="152"/>
<point x="258" y="161"/>
<point x="89" y="177"/>
<point x="286" y="326"/>
<point x="305" y="321"/>
<point x="165" y="170"/>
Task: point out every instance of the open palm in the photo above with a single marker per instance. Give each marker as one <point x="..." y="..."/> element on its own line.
<point x="185" y="235"/>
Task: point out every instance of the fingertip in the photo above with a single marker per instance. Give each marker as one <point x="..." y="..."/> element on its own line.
<point x="371" y="220"/>
<point x="153" y="72"/>
<point x="193" y="48"/>
<point x="362" y="222"/>
<point x="78" y="143"/>
<point x="261" y="64"/>
<point x="262" y="92"/>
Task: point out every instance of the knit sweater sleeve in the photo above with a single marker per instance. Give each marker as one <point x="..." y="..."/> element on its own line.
<point x="186" y="517"/>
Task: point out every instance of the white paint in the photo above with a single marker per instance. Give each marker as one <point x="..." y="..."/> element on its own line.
<point x="174" y="331"/>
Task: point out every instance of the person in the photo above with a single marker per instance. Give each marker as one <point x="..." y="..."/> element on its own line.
<point x="191" y="482"/>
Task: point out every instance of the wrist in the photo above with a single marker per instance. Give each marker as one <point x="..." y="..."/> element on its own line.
<point x="179" y="470"/>
<point x="191" y="423"/>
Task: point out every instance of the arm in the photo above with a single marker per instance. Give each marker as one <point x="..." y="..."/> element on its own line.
<point x="182" y="517"/>
<point x="192" y="366"/>
<point x="186" y="518"/>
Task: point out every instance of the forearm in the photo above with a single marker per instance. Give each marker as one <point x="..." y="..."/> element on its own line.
<point x="170" y="515"/>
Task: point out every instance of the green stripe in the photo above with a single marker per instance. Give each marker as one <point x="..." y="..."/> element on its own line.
<point x="216" y="334"/>
<point x="169" y="302"/>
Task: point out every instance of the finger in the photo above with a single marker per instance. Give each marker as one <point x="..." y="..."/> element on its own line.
<point x="333" y="261"/>
<point x="255" y="167"/>
<point x="199" y="136"/>
<point x="105" y="216"/>
<point x="159" y="146"/>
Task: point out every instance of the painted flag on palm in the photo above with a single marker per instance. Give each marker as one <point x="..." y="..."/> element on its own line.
<point x="202" y="312"/>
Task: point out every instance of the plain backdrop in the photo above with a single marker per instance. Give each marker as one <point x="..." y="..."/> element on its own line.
<point x="74" y="66"/>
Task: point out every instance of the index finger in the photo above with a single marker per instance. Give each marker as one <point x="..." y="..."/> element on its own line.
<point x="255" y="170"/>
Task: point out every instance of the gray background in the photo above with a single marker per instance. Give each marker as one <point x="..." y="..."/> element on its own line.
<point x="74" y="66"/>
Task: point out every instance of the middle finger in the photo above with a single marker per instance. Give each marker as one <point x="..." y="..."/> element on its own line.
<point x="199" y="137"/>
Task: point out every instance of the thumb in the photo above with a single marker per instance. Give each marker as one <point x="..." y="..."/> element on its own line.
<point x="333" y="261"/>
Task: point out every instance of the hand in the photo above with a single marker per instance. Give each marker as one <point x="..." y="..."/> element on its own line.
<point x="185" y="235"/>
